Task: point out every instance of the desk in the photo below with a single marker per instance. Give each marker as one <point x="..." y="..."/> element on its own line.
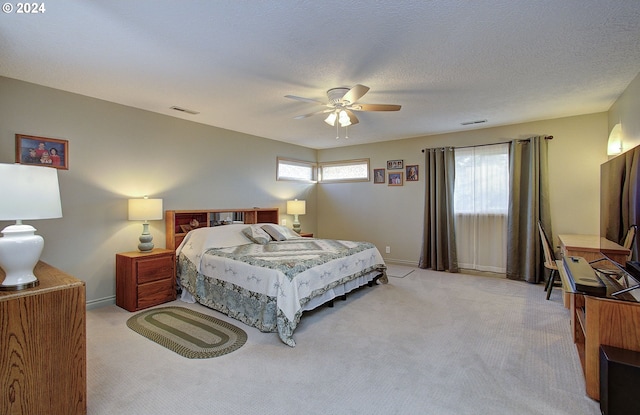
<point x="591" y="247"/>
<point x="596" y="321"/>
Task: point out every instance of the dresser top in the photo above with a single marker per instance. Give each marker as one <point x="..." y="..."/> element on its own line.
<point x="50" y="279"/>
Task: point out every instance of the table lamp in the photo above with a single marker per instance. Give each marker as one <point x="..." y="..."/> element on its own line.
<point x="28" y="193"/>
<point x="296" y="207"/>
<point x="145" y="209"/>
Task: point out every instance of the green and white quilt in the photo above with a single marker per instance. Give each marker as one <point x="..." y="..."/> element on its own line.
<point x="268" y="286"/>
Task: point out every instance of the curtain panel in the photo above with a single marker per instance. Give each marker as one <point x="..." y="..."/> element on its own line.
<point x="438" y="242"/>
<point x="630" y="212"/>
<point x="481" y="241"/>
<point x="528" y="203"/>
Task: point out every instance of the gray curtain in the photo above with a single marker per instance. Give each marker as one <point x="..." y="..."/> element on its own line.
<point x="528" y="203"/>
<point x="438" y="241"/>
<point x="630" y="211"/>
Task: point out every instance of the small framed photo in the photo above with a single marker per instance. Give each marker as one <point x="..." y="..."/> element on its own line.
<point x="412" y="173"/>
<point x="395" y="179"/>
<point x="395" y="164"/>
<point x="41" y="151"/>
<point x="378" y="176"/>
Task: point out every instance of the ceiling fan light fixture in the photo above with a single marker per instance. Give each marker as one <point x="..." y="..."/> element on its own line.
<point x="331" y="119"/>
<point x="344" y="119"/>
<point x="342" y="103"/>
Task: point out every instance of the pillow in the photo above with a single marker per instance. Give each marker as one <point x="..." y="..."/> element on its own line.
<point x="257" y="234"/>
<point x="279" y="233"/>
<point x="199" y="240"/>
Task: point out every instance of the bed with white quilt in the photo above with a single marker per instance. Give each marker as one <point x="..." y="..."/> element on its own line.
<point x="266" y="275"/>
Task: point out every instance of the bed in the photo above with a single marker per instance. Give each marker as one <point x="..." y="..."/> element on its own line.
<point x="266" y="275"/>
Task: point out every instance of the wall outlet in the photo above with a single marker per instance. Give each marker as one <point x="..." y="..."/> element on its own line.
<point x="283" y="222"/>
<point x="388" y="250"/>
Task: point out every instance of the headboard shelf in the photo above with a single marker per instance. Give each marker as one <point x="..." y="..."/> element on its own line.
<point x="179" y="222"/>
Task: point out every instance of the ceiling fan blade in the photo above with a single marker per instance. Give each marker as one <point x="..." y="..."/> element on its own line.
<point x="299" y="117"/>
<point x="375" y="107"/>
<point x="355" y="93"/>
<point x="310" y="100"/>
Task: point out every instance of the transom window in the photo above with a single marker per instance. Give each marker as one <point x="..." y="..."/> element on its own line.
<point x="296" y="170"/>
<point x="344" y="171"/>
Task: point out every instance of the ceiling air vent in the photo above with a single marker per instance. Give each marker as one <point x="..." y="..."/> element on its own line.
<point x="473" y="122"/>
<point x="192" y="112"/>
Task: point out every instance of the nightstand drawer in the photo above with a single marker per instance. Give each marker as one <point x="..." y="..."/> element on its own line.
<point x="154" y="269"/>
<point x="157" y="292"/>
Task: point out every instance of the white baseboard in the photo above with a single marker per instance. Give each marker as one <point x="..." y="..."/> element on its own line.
<point x="401" y="262"/>
<point x="101" y="302"/>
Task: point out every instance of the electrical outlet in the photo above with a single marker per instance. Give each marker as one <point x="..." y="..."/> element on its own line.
<point x="283" y="222"/>
<point x="388" y="250"/>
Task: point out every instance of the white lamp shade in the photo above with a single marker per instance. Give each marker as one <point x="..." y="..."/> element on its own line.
<point x="296" y="207"/>
<point x="331" y="119"/>
<point x="145" y="209"/>
<point x="344" y="119"/>
<point x="29" y="192"/>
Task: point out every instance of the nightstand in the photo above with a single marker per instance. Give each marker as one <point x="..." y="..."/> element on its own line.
<point x="306" y="235"/>
<point x="145" y="279"/>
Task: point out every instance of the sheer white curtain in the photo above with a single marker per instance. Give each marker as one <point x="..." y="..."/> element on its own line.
<point x="481" y="200"/>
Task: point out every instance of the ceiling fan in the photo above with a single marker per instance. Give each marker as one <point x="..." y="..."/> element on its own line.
<point x="342" y="103"/>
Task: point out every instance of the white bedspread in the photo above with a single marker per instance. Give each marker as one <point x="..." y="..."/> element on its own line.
<point x="288" y="274"/>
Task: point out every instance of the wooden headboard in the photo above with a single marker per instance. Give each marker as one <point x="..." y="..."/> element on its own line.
<point x="178" y="222"/>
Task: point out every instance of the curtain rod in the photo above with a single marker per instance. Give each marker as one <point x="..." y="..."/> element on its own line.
<point x="546" y="137"/>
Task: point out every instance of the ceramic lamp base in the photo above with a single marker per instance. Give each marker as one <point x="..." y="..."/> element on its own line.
<point x="296" y="224"/>
<point x="20" y="251"/>
<point x="145" y="244"/>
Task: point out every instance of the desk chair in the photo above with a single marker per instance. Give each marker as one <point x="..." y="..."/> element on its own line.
<point x="630" y="239"/>
<point x="549" y="260"/>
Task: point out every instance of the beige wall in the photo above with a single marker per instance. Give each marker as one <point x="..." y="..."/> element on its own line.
<point x="118" y="152"/>
<point x="393" y="216"/>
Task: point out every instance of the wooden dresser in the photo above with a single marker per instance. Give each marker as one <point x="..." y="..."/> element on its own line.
<point x="43" y="361"/>
<point x="591" y="247"/>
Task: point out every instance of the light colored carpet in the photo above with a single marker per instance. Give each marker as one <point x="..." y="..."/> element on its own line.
<point x="429" y="343"/>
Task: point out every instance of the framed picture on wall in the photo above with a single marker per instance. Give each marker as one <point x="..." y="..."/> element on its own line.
<point x="412" y="173"/>
<point x="378" y="176"/>
<point x="395" y="164"/>
<point x="395" y="179"/>
<point x="41" y="151"/>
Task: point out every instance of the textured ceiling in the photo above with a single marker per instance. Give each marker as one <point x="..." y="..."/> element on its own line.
<point x="446" y="62"/>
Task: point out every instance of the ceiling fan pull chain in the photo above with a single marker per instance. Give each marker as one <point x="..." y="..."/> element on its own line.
<point x="337" y="131"/>
<point x="346" y="132"/>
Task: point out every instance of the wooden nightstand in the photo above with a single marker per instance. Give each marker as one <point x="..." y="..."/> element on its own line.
<point x="306" y="235"/>
<point x="145" y="279"/>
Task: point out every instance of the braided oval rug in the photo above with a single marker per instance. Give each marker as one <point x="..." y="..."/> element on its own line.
<point x="187" y="332"/>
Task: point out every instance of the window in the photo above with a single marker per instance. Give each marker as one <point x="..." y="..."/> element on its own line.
<point x="481" y="202"/>
<point x="344" y="171"/>
<point x="482" y="179"/>
<point x="288" y="169"/>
